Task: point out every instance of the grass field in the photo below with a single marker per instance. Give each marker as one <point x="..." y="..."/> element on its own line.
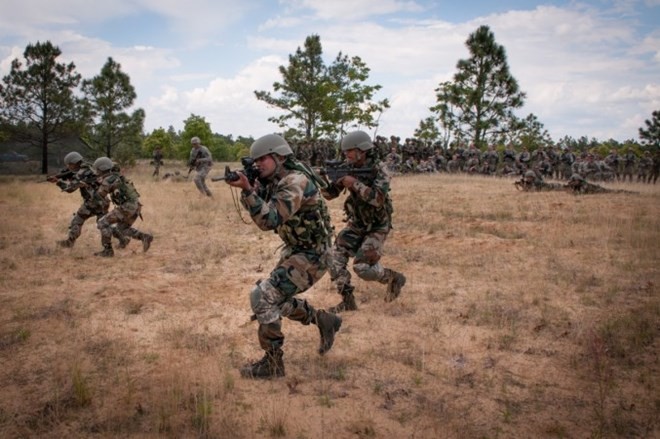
<point x="525" y="315"/>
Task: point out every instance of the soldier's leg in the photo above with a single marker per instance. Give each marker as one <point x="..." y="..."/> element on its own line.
<point x="200" y="181"/>
<point x="367" y="265"/>
<point x="125" y="226"/>
<point x="75" y="227"/>
<point x="346" y="245"/>
<point x="104" y="225"/>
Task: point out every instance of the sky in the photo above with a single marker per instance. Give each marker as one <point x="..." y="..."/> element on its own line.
<point x="588" y="68"/>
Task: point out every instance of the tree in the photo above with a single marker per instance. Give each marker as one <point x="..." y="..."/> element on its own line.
<point x="428" y="131"/>
<point x="316" y="99"/>
<point x="159" y="137"/>
<point x="37" y="101"/>
<point x="107" y="95"/>
<point x="651" y="134"/>
<point x="194" y="126"/>
<point x="529" y="133"/>
<point x="478" y="104"/>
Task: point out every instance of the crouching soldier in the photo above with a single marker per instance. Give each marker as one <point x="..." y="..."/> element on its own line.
<point x="532" y="182"/>
<point x="127" y="207"/>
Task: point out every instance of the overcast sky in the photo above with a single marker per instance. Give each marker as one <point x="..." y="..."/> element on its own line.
<point x="589" y="68"/>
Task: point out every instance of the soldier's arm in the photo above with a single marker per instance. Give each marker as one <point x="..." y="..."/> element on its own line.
<point x="287" y="199"/>
<point x="376" y="193"/>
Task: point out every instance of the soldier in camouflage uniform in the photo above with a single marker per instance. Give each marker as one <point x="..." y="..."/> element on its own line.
<point x="286" y="199"/>
<point x="533" y="182"/>
<point x="629" y="162"/>
<point x="127" y="207"/>
<point x="368" y="208"/>
<point x="578" y="185"/>
<point x="80" y="176"/>
<point x="202" y="161"/>
<point x="645" y="167"/>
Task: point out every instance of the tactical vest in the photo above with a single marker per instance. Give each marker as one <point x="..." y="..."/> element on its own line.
<point x="124" y="191"/>
<point x="309" y="228"/>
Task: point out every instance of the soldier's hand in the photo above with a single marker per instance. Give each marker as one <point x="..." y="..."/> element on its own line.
<point x="347" y="181"/>
<point x="241" y="183"/>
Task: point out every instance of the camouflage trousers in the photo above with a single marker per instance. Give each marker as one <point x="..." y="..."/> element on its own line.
<point x="83" y="213"/>
<point x="200" y="180"/>
<point x="123" y="216"/>
<point x="366" y="248"/>
<point x="274" y="297"/>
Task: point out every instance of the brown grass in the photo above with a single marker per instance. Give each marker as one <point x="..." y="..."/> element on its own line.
<point x="525" y="315"/>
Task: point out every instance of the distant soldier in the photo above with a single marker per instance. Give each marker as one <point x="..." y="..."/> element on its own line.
<point x="578" y="186"/>
<point x="644" y="167"/>
<point x="532" y="182"/>
<point x="655" y="169"/>
<point x="490" y="160"/>
<point x="80" y="176"/>
<point x="201" y="161"/>
<point x="629" y="162"/>
<point x="566" y="160"/>
<point x="524" y="158"/>
<point x="127" y="207"/>
<point x="613" y="160"/>
<point x="157" y="161"/>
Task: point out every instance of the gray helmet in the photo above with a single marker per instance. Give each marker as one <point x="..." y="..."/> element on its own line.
<point x="270" y="144"/>
<point x="577" y="177"/>
<point x="195" y="141"/>
<point x="72" y="158"/>
<point x="356" y="139"/>
<point x="529" y="174"/>
<point x="103" y="164"/>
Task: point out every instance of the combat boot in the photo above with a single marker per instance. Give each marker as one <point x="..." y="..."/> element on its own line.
<point x="67" y="243"/>
<point x="328" y="324"/>
<point x="395" y="281"/>
<point x="107" y="252"/>
<point x="270" y="366"/>
<point x="123" y="241"/>
<point x="347" y="301"/>
<point x="146" y="241"/>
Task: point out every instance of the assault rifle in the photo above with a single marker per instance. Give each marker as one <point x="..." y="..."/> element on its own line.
<point x="249" y="169"/>
<point x="64" y="174"/>
<point x="193" y="162"/>
<point x="336" y="169"/>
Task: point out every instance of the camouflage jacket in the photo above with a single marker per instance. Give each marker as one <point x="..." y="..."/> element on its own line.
<point x="538" y="185"/>
<point x="368" y="207"/>
<point x="587" y="188"/>
<point x="200" y="158"/>
<point x="291" y="205"/>
<point x="122" y="192"/>
<point x="86" y="181"/>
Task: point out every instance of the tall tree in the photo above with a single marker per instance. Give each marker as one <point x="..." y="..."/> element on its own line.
<point x="195" y="126"/>
<point x="651" y="134"/>
<point x="107" y="96"/>
<point x="428" y="131"/>
<point x="350" y="102"/>
<point x="315" y="99"/>
<point x="37" y="101"/>
<point x="528" y="132"/>
<point x="483" y="94"/>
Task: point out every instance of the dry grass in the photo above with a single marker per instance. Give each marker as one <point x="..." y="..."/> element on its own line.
<point x="525" y="315"/>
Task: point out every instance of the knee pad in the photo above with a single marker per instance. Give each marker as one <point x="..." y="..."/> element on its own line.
<point x="368" y="272"/>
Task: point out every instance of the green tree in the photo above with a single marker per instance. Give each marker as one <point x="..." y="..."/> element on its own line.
<point x="528" y="132"/>
<point x="428" y="131"/>
<point x="194" y="126"/>
<point x="315" y="99"/>
<point x="37" y="101"/>
<point x="110" y="127"/>
<point x="651" y="134"/>
<point x="478" y="104"/>
<point x="350" y="103"/>
<point x="159" y="137"/>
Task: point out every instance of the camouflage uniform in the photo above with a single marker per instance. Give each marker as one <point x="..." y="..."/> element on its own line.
<point x="84" y="180"/>
<point x="290" y="204"/>
<point x="202" y="161"/>
<point x="158" y="162"/>
<point x="368" y="209"/>
<point x="532" y="182"/>
<point x="579" y="186"/>
<point x="127" y="209"/>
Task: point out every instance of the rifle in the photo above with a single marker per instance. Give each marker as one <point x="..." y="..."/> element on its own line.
<point x="193" y="162"/>
<point x="250" y="171"/>
<point x="336" y="169"/>
<point x="64" y="174"/>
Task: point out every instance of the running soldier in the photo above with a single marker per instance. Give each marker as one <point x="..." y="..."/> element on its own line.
<point x="368" y="208"/>
<point x="157" y="161"/>
<point x="127" y="207"/>
<point x="286" y="199"/>
<point x="80" y="176"/>
<point x="201" y="161"/>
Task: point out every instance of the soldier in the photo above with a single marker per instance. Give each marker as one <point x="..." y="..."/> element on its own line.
<point x="368" y="208"/>
<point x="655" y="169"/>
<point x="80" y="176"/>
<point x="532" y="182"/>
<point x="201" y="161"/>
<point x="614" y="161"/>
<point x="286" y="199"/>
<point x="567" y="160"/>
<point x="157" y="161"/>
<point x="578" y="186"/>
<point x="490" y="159"/>
<point x="629" y="161"/>
<point x="645" y="167"/>
<point x="127" y="207"/>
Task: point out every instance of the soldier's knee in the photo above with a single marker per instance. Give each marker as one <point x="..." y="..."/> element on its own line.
<point x="368" y="272"/>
